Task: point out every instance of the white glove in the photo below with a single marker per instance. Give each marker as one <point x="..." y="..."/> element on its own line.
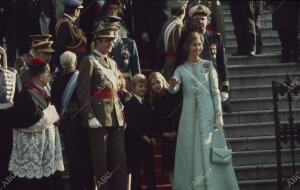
<point x="50" y="114"/>
<point x="94" y="123"/>
<point x="219" y="120"/>
<point x="224" y="96"/>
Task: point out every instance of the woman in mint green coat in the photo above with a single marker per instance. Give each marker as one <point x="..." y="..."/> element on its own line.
<point x="201" y="112"/>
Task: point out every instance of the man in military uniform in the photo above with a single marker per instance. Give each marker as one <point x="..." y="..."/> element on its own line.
<point x="40" y="47"/>
<point x="69" y="37"/>
<point x="125" y="53"/>
<point x="213" y="48"/>
<point x="97" y="90"/>
<point x="244" y="27"/>
<point x="169" y="37"/>
<point x="216" y="23"/>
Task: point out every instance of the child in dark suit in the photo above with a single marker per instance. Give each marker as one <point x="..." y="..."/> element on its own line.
<point x="139" y="134"/>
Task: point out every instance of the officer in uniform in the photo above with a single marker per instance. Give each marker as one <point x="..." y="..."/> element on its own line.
<point x="125" y="53"/>
<point x="40" y="47"/>
<point x="69" y="37"/>
<point x="97" y="89"/>
<point x="213" y="48"/>
<point x="244" y="27"/>
<point x="169" y="37"/>
<point x="216" y="23"/>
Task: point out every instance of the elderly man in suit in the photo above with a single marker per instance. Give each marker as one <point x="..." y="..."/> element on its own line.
<point x="97" y="90"/>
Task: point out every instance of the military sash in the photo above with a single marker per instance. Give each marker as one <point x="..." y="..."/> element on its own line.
<point x="69" y="90"/>
<point x="108" y="72"/>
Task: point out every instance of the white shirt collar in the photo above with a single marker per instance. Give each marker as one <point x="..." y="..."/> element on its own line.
<point x="140" y="99"/>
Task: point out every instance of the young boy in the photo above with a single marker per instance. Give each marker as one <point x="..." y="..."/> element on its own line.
<point x="139" y="134"/>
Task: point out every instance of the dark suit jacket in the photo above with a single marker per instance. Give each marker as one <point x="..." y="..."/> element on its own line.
<point x="139" y="120"/>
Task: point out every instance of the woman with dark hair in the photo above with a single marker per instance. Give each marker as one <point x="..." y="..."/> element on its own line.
<point x="195" y="167"/>
<point x="36" y="155"/>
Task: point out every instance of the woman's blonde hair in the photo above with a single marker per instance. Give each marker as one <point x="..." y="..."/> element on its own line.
<point x="159" y="76"/>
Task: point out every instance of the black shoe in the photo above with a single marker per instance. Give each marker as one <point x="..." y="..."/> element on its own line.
<point x="285" y="60"/>
<point x="251" y="54"/>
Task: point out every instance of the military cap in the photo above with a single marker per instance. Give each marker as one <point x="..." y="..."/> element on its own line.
<point x="199" y="9"/>
<point x="35" y="39"/>
<point x="111" y="19"/>
<point x="73" y="3"/>
<point x="43" y="47"/>
<point x="106" y="30"/>
<point x="176" y="4"/>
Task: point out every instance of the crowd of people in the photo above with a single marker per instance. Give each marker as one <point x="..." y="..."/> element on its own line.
<point x="78" y="84"/>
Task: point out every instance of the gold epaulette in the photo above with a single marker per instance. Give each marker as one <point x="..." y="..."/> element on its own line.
<point x="76" y="33"/>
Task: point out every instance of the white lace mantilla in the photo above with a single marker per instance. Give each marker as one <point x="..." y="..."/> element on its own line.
<point x="38" y="153"/>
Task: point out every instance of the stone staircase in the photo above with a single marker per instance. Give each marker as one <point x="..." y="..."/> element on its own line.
<point x="250" y="127"/>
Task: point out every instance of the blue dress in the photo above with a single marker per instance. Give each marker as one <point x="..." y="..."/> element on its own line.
<point x="201" y="100"/>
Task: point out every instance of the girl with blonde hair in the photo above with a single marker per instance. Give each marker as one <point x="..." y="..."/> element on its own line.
<point x="167" y="108"/>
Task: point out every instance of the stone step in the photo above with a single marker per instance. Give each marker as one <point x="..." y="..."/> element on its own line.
<point x="257" y="116"/>
<point x="263" y="184"/>
<point x="262" y="157"/>
<point x="227" y="13"/>
<point x="265" y="58"/>
<point x="261" y="79"/>
<point x="266" y="171"/>
<point x="249" y="129"/>
<point x="255" y="143"/>
<point x="250" y="69"/>
<point x="264" y="103"/>
<point x="265" y="23"/>
<point x="267" y="48"/>
<point x="259" y="129"/>
<point x="252" y="143"/>
<point x="266" y="39"/>
<point x="265" y="32"/>
<point x="266" y="18"/>
<point x="238" y="92"/>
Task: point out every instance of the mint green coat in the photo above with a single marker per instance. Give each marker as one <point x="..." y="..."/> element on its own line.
<point x="201" y="99"/>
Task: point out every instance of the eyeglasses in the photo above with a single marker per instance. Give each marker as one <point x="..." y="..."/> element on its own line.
<point x="48" y="75"/>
